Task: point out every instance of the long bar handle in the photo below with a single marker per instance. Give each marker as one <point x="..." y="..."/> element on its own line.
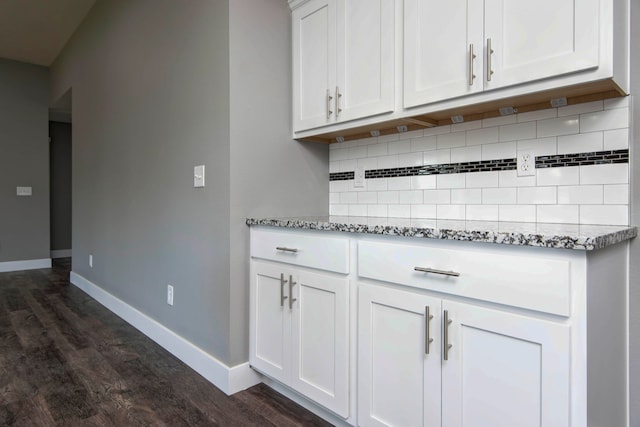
<point x="427" y="321"/>
<point x="291" y="298"/>
<point x="489" y="54"/>
<point x="446" y="344"/>
<point x="338" y="96"/>
<point x="282" y="296"/>
<point x="329" y="98"/>
<point x="472" y="56"/>
<point x="285" y="249"/>
<point x="435" y="271"/>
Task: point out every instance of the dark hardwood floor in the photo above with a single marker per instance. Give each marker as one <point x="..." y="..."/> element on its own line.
<point x="66" y="360"/>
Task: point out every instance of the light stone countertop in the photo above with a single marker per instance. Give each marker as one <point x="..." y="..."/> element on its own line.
<point x="560" y="236"/>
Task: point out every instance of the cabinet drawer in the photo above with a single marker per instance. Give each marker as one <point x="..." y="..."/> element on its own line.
<point x="535" y="283"/>
<point x="307" y="250"/>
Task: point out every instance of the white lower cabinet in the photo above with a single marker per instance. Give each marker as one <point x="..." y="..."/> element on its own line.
<point x="300" y="331"/>
<point x="501" y="369"/>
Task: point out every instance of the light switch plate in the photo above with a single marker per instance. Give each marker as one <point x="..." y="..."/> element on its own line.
<point x="24" y="191"/>
<point x="198" y="176"/>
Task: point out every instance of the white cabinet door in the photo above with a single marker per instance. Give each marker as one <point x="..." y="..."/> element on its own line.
<point x="320" y="340"/>
<point x="365" y="61"/>
<point x="314" y="63"/>
<point x="534" y="40"/>
<point x="505" y="370"/>
<point x="439" y="36"/>
<point x="398" y="383"/>
<point x="270" y="321"/>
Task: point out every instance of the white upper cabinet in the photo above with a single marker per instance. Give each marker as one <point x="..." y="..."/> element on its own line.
<point x="458" y="47"/>
<point x="343" y="61"/>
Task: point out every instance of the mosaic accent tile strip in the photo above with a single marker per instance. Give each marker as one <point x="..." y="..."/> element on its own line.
<point x="583" y="159"/>
<point x="558" y="160"/>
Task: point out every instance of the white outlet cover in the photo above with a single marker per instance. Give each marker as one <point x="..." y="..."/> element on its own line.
<point x="198" y="176"/>
<point x="526" y="163"/>
<point x="359" y="177"/>
<point x="24" y="191"/>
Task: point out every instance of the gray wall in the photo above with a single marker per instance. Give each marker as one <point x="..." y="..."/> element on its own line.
<point x="60" y="184"/>
<point x="24" y="161"/>
<point x="153" y="97"/>
<point x="271" y="174"/>
<point x="634" y="273"/>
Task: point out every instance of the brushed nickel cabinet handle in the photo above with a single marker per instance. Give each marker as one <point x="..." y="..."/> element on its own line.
<point x="446" y="344"/>
<point x="472" y="56"/>
<point x="329" y="98"/>
<point x="489" y="54"/>
<point x="285" y="249"/>
<point x="282" y="296"/>
<point x="435" y="271"/>
<point x="427" y="320"/>
<point x="338" y="96"/>
<point x="291" y="298"/>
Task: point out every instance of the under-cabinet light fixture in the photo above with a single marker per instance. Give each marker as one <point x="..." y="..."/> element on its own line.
<point x="402" y="128"/>
<point x="339" y="138"/>
<point x="375" y="133"/>
<point x="559" y="102"/>
<point x="457" y="119"/>
<point x="507" y="111"/>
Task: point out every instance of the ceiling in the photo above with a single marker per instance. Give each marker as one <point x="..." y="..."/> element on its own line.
<point x="35" y="31"/>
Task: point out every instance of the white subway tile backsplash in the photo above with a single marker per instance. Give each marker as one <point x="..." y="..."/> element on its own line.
<point x="617" y="194"/>
<point x="466" y="196"/>
<point x="586" y="107"/>
<point x="518" y="131"/>
<point x="580" y="195"/>
<point x="389" y="197"/>
<point x="437" y="157"/>
<point x="367" y="197"/>
<point x="617" y="139"/>
<point x="399" y="147"/>
<point x="399" y="183"/>
<point x="604" y="120"/>
<point x="559" y="126"/>
<point x="452" y="180"/>
<point x="377" y="210"/>
<point x="580" y="143"/>
<point x="466" y="154"/>
<point x="483" y="179"/>
<point x="588" y="194"/>
<point x="438" y="197"/>
<point x="511" y="179"/>
<point x="499" y="196"/>
<point x="410" y="197"/>
<point x="517" y="213"/>
<point x="451" y="140"/>
<point x="423" y="211"/>
<point x="604" y="214"/>
<point x="537" y="196"/>
<point x="558" y="176"/>
<point x="482" y="213"/>
<point x="424" y="144"/>
<point x="483" y="136"/>
<point x="561" y="214"/>
<point x="399" y="211"/>
<point x="604" y="174"/>
<point x="540" y="146"/>
<point x="410" y="159"/>
<point x="451" y="212"/>
<point x="502" y="150"/>
<point x="422" y="182"/>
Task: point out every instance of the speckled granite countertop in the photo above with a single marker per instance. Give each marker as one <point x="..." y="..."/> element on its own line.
<point x="561" y="236"/>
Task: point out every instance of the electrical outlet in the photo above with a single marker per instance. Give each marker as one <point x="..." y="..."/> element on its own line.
<point x="169" y="294"/>
<point x="359" y="177"/>
<point x="526" y="163"/>
<point x="91" y="261"/>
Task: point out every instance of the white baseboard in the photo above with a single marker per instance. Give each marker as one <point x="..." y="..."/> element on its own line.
<point x="228" y="379"/>
<point x="61" y="253"/>
<point x="30" y="264"/>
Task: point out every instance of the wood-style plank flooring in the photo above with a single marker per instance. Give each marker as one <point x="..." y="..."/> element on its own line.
<point x="65" y="360"/>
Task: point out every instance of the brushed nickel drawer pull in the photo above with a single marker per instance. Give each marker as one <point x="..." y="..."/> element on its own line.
<point x="446" y="344"/>
<point x="489" y="53"/>
<point x="329" y="98"/>
<point x="427" y="320"/>
<point x="433" y="270"/>
<point x="472" y="56"/>
<point x="291" y="298"/>
<point x="285" y="249"/>
<point x="282" y="296"/>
